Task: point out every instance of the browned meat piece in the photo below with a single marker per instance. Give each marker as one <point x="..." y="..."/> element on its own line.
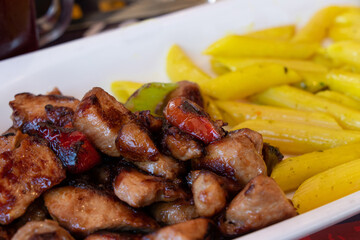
<point x="169" y="213"/>
<point x="230" y="186"/>
<point x="11" y="140"/>
<point x="209" y="195"/>
<point x="181" y="145"/>
<point x="165" y="166"/>
<point x="29" y="108"/>
<point x="234" y="156"/>
<point x="25" y="173"/>
<point x="152" y="123"/>
<point x="101" y="118"/>
<point x="113" y="236"/>
<point x="134" y="143"/>
<point x="196" y="229"/>
<point x="35" y="212"/>
<point x="258" y="205"/>
<point x="3" y="234"/>
<point x="139" y="190"/>
<point x="42" y="230"/>
<point x="60" y="116"/>
<point x="55" y="91"/>
<point x="255" y="138"/>
<point x="272" y="156"/>
<point x="187" y="90"/>
<point x="84" y="210"/>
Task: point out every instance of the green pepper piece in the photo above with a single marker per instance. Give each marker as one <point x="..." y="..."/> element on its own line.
<point x="149" y="96"/>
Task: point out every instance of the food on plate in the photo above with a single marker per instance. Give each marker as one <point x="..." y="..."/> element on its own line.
<point x="42" y="229"/>
<point x="235" y="112"/>
<point x="248" y="81"/>
<point x="164" y="164"/>
<point x="276" y="33"/>
<point x="132" y="172"/>
<point x="295" y="138"/>
<point x="291" y="97"/>
<point x="259" y="204"/>
<point x="328" y="186"/>
<point x="179" y="67"/>
<point x="340" y="98"/>
<point x="148" y="96"/>
<point x="344" y="52"/>
<point x="292" y="171"/>
<point x="317" y="27"/>
<point x="344" y="82"/>
<point x="235" y="64"/>
<point x="122" y="90"/>
<point x="244" y="46"/>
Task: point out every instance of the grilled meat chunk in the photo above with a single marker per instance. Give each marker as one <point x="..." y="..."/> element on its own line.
<point x="11" y="140"/>
<point x="258" y="205"/>
<point x="192" y="119"/>
<point x="134" y="143"/>
<point x="235" y="156"/>
<point x="209" y="196"/>
<point x="170" y="213"/>
<point x="113" y="236"/>
<point x="84" y="210"/>
<point x="102" y="119"/>
<point x="30" y="108"/>
<point x="196" y="229"/>
<point x="272" y="156"/>
<point x="165" y="166"/>
<point x="42" y="230"/>
<point x="25" y="173"/>
<point x="59" y="116"/>
<point x="188" y="90"/>
<point x="138" y="189"/>
<point x="152" y="123"/>
<point x="180" y="145"/>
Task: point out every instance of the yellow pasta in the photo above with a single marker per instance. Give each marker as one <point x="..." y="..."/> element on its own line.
<point x="180" y="67"/>
<point x="295" y="138"/>
<point x="122" y="90"/>
<point x="249" y="80"/>
<point x="293" y="171"/>
<point x="328" y="186"/>
<point x="243" y="46"/>
<point x="240" y="112"/>
<point x="290" y="97"/>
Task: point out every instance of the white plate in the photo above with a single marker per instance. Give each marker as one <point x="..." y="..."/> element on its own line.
<point x="138" y="53"/>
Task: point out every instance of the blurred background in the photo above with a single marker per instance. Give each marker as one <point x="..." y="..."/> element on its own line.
<point x="90" y="17"/>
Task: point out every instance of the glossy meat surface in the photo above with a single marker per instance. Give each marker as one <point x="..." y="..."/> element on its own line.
<point x="106" y="121"/>
<point x="84" y="210"/>
<point x="28" y="107"/>
<point x="258" y="205"/>
<point x="209" y="196"/>
<point x="25" y="173"/>
<point x="139" y="190"/>
<point x="181" y="145"/>
<point x="196" y="229"/>
<point x="165" y="166"/>
<point x="169" y="213"/>
<point x="235" y="156"/>
<point x="42" y="230"/>
<point x="134" y="143"/>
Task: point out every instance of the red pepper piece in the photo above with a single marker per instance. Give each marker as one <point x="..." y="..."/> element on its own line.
<point x="192" y="119"/>
<point x="75" y="151"/>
